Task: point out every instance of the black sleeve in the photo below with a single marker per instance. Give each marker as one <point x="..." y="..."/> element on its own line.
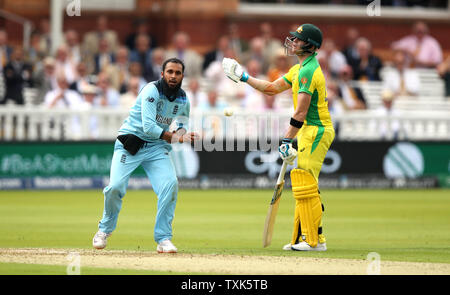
<point x="360" y="95"/>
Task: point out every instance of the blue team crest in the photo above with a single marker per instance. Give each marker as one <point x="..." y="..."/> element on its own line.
<point x="159" y="106"/>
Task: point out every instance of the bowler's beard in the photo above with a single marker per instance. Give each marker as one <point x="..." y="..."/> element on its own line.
<point x="170" y="92"/>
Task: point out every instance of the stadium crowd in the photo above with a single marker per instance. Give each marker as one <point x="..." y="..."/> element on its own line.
<point x="96" y="69"/>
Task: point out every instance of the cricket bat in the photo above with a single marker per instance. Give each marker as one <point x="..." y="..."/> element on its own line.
<point x="273" y="208"/>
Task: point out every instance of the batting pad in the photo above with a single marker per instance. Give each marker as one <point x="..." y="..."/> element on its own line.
<point x="308" y="207"/>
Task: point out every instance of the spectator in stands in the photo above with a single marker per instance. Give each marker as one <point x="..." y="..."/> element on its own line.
<point x="135" y="70"/>
<point x="141" y="27"/>
<point x="270" y="104"/>
<point x="334" y="58"/>
<point x="253" y="99"/>
<point x="157" y="62"/>
<point x="118" y="72"/>
<point x="349" y="51"/>
<point x="5" y="49"/>
<point x="72" y="40"/>
<point x="324" y="66"/>
<point x="128" y="99"/>
<point x="335" y="104"/>
<point x="401" y="80"/>
<point x="82" y="78"/>
<point x="195" y="95"/>
<point x="107" y="95"/>
<point x="46" y="37"/>
<point x="423" y="50"/>
<point x="279" y="66"/>
<point x="444" y="71"/>
<point x="256" y="52"/>
<point x="238" y="44"/>
<point x="88" y="92"/>
<point x="44" y="78"/>
<point x="34" y="55"/>
<point x="281" y="63"/>
<point x="386" y="127"/>
<point x="18" y="75"/>
<point x="271" y="44"/>
<point x="367" y="67"/>
<point x="212" y="103"/>
<point x="213" y="125"/>
<point x="351" y="95"/>
<point x="218" y="53"/>
<point x="62" y="96"/>
<point x="64" y="64"/>
<point x="181" y="50"/>
<point x="143" y="55"/>
<point x="104" y="57"/>
<point x="233" y="92"/>
<point x="92" y="39"/>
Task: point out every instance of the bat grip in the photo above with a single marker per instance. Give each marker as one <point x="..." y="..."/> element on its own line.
<point x="282" y="172"/>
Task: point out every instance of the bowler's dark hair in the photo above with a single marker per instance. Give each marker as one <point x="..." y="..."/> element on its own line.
<point x="174" y="60"/>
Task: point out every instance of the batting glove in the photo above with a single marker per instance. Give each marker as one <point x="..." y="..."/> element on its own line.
<point x="287" y="152"/>
<point x="234" y="70"/>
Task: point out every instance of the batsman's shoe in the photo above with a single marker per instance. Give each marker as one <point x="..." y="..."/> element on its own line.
<point x="287" y="247"/>
<point x="303" y="246"/>
<point x="166" y="246"/>
<point x="99" y="240"/>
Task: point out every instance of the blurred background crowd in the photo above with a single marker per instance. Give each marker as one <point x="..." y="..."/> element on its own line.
<point x="99" y="68"/>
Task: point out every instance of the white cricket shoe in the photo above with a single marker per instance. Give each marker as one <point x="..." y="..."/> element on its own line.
<point x="166" y="246"/>
<point x="287" y="247"/>
<point x="99" y="240"/>
<point x="303" y="246"/>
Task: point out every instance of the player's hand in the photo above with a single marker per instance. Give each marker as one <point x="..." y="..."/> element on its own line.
<point x="189" y="137"/>
<point x="287" y="152"/>
<point x="234" y="70"/>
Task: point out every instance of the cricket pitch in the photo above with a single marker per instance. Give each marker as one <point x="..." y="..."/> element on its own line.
<point x="217" y="264"/>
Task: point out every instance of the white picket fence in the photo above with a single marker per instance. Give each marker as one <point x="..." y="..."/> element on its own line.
<point x="37" y="123"/>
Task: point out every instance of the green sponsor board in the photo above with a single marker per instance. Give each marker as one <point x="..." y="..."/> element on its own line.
<point x="56" y="159"/>
<point x="391" y="160"/>
<point x="437" y="161"/>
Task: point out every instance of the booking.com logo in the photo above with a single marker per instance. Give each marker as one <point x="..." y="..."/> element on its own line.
<point x="73" y="8"/>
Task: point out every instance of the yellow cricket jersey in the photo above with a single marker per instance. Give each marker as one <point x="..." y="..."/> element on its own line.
<point x="309" y="78"/>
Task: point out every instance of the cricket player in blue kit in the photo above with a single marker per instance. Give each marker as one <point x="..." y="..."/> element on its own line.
<point x="144" y="139"/>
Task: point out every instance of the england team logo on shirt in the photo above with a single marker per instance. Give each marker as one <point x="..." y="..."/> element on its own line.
<point x="159" y="106"/>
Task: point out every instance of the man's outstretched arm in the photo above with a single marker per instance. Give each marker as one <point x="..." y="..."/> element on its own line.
<point x="235" y="72"/>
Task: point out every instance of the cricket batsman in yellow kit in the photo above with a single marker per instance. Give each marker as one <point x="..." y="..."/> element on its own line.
<point x="312" y="125"/>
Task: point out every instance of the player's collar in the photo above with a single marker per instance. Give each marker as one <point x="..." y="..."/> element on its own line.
<point x="309" y="58"/>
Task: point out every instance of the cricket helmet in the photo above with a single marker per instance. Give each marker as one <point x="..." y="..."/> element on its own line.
<point x="309" y="33"/>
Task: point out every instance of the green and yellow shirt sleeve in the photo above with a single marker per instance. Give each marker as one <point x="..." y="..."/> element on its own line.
<point x="290" y="76"/>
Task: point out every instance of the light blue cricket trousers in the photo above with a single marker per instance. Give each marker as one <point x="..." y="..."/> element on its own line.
<point x="159" y="168"/>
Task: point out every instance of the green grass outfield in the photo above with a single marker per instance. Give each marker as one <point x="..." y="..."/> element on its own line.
<point x="400" y="225"/>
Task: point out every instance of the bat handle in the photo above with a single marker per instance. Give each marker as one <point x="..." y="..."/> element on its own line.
<point x="282" y="172"/>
